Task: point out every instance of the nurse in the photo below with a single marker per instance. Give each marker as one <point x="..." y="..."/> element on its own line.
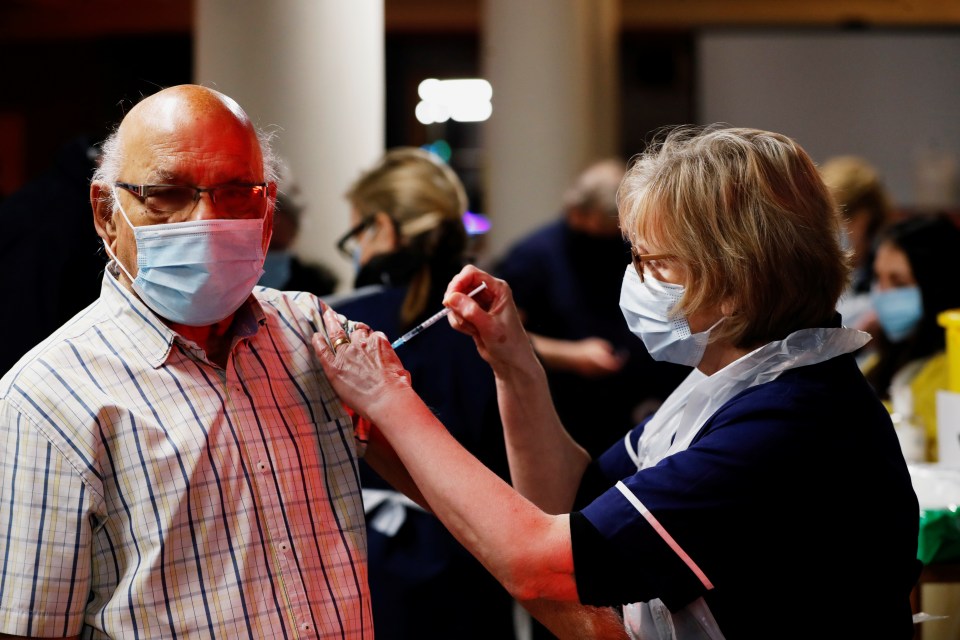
<point x="767" y="497"/>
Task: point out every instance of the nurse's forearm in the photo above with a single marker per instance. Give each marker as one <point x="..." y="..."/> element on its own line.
<point x="575" y="621"/>
<point x="545" y="463"/>
<point x="527" y="550"/>
<point x="385" y="461"/>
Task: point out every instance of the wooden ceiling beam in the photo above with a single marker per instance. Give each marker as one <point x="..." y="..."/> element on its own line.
<point x="648" y="14"/>
<point x="46" y="19"/>
<point x="66" y="19"/>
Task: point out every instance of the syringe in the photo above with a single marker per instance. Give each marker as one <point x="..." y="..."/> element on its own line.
<point x="431" y="320"/>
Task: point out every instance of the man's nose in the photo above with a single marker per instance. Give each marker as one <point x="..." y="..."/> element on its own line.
<point x="205" y="209"/>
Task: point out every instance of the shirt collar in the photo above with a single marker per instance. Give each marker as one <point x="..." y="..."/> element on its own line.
<point x="151" y="337"/>
<point x="675" y="424"/>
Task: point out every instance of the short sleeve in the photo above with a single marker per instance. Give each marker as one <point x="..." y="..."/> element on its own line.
<point x="616" y="463"/>
<point x="45" y="534"/>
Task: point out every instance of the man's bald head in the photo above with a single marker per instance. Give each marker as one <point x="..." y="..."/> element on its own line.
<point x="171" y="107"/>
<point x="180" y="112"/>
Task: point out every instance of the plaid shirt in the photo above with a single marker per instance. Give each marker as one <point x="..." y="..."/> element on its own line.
<point x="147" y="493"/>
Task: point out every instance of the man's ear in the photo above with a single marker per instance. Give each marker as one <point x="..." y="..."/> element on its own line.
<point x="101" y="200"/>
<point x="268" y="218"/>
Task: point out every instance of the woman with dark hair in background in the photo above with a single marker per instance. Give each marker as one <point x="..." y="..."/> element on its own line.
<point x="914" y="280"/>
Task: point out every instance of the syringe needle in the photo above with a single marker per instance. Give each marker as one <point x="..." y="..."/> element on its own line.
<point x="431" y="320"/>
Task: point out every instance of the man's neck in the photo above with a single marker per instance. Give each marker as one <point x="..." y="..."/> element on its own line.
<point x="214" y="339"/>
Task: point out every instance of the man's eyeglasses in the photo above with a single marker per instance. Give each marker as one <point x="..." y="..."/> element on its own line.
<point x="640" y="258"/>
<point x="348" y="241"/>
<point x="239" y="200"/>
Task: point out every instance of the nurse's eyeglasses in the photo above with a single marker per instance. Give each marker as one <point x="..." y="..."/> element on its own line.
<point x="640" y="258"/>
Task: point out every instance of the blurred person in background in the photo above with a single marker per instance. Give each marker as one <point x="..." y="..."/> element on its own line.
<point x="866" y="208"/>
<point x="565" y="278"/>
<point x="915" y="278"/>
<point x="407" y="240"/>
<point x="51" y="275"/>
<point x="282" y="268"/>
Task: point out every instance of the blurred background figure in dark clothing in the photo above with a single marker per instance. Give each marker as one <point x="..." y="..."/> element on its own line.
<point x="48" y="277"/>
<point x="566" y="280"/>
<point x="283" y="269"/>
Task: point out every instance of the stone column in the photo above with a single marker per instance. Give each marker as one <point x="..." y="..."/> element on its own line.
<point x="313" y="70"/>
<point x="553" y="68"/>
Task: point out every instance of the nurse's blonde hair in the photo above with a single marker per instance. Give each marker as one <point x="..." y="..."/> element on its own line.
<point x="746" y="214"/>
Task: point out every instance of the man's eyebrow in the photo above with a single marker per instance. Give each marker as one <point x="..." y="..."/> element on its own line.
<point x="166" y="176"/>
<point x="162" y="176"/>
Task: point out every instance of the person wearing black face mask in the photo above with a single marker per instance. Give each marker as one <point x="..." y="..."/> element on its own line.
<point x="564" y="278"/>
<point x="407" y="239"/>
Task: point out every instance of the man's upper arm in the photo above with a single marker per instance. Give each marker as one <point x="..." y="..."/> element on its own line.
<point x="44" y="530"/>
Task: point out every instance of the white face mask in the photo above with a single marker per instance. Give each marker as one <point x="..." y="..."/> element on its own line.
<point x="647" y="307"/>
<point x="196" y="273"/>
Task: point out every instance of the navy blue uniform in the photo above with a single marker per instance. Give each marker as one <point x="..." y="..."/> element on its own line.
<point x="793" y="501"/>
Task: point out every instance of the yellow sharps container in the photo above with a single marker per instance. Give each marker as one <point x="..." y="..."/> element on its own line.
<point x="948" y="400"/>
<point x="950" y="321"/>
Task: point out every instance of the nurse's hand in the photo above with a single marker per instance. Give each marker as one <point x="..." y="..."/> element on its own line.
<point x="491" y="318"/>
<point x="362" y="368"/>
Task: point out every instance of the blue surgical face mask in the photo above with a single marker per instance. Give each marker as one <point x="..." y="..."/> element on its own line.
<point x="356" y="259"/>
<point x="647" y="308"/>
<point x="196" y="273"/>
<point x="898" y="310"/>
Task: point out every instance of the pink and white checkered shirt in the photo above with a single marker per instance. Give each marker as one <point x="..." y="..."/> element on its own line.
<point x="147" y="493"/>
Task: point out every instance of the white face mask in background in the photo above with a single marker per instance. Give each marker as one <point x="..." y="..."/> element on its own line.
<point x="647" y="307"/>
<point x="196" y="273"/>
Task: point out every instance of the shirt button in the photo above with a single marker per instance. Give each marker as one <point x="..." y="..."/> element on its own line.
<point x="306" y="626"/>
<point x="262" y="466"/>
<point x="284" y="546"/>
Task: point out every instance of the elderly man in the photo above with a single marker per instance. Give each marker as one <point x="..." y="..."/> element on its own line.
<point x="173" y="461"/>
